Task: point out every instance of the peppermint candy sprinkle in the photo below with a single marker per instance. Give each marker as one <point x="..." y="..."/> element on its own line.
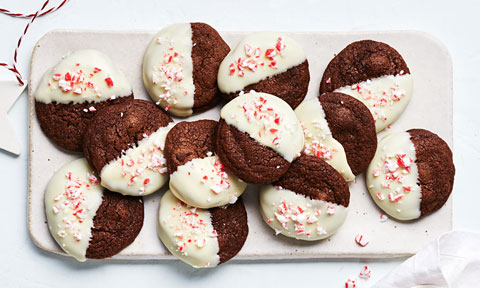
<point x="78" y="81"/>
<point x="253" y="58"/>
<point x="169" y="75"/>
<point x="365" y="273"/>
<point x="393" y="171"/>
<point x="314" y="144"/>
<point x="134" y="166"/>
<point x="383" y="218"/>
<point x="259" y="111"/>
<point x="299" y="216"/>
<point x="219" y="171"/>
<point x="380" y="100"/>
<point x="191" y="230"/>
<point x="361" y="240"/>
<point x="73" y="203"/>
<point x="350" y="284"/>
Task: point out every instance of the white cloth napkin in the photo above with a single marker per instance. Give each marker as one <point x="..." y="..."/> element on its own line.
<point x="452" y="260"/>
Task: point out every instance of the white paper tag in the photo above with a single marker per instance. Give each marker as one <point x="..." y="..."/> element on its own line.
<point x="10" y="91"/>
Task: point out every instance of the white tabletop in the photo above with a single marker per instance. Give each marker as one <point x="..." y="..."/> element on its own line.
<point x="455" y="24"/>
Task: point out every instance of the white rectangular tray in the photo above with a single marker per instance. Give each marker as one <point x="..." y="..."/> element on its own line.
<point x="430" y="108"/>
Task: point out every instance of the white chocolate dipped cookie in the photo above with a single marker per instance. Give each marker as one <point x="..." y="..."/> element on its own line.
<point x="201" y="238"/>
<point x="82" y="76"/>
<point x="140" y="170"/>
<point x="180" y="67"/>
<point x="319" y="141"/>
<point x="269" y="62"/>
<point x="75" y="206"/>
<point x="70" y="93"/>
<point x="71" y="224"/>
<point x="125" y="146"/>
<point x="411" y="174"/>
<point x="197" y="176"/>
<point x="258" y="137"/>
<point x="374" y="73"/>
<point x="310" y="202"/>
<point x="335" y="120"/>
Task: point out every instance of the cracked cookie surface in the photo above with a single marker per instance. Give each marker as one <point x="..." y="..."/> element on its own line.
<point x="436" y="170"/>
<point x="208" y="51"/>
<point x="232" y="229"/>
<point x="189" y="140"/>
<point x="116" y="224"/>
<point x="118" y="128"/>
<point x="351" y="124"/>
<point x="315" y="179"/>
<point x="65" y="124"/>
<point x="361" y="61"/>
<point x="246" y="158"/>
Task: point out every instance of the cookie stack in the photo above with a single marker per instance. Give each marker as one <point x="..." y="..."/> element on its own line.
<point x="301" y="153"/>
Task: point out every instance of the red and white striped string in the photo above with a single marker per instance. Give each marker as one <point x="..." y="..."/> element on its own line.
<point x="33" y="16"/>
<point x="20" y="15"/>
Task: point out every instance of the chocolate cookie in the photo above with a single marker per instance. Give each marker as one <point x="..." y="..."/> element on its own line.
<point x="258" y="137"/>
<point x="189" y="140"/>
<point x="412" y="175"/>
<point x="339" y="130"/>
<point x="309" y="202"/>
<point x="116" y="224"/>
<point x="202" y="238"/>
<point x="436" y="170"/>
<point x="197" y="176"/>
<point x="180" y="67"/>
<point x="374" y="73"/>
<point x="71" y="93"/>
<point x="86" y="220"/>
<point x="231" y="226"/>
<point x="124" y="145"/>
<point x="268" y="62"/>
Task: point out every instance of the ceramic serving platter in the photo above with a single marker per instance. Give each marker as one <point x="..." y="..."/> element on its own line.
<point x="430" y="108"/>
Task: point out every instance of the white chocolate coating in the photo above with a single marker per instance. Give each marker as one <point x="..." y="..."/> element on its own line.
<point x="141" y="170"/>
<point x="257" y="57"/>
<point x="392" y="177"/>
<point x="267" y="119"/>
<point x="385" y="96"/>
<point x="82" y="76"/>
<point x="204" y="183"/>
<point x="168" y="69"/>
<point x="72" y="199"/>
<point x="299" y="217"/>
<point x="319" y="141"/>
<point x="187" y="232"/>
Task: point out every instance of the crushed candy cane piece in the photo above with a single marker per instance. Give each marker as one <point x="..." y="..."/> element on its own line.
<point x="350" y="284"/>
<point x="361" y="240"/>
<point x="383" y="217"/>
<point x="253" y="58"/>
<point x="365" y="273"/>
<point x="330" y="210"/>
<point x="109" y="81"/>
